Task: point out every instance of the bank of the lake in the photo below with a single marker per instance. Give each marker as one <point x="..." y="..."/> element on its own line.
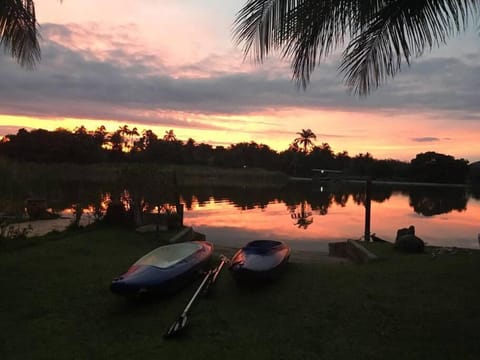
<point x="17" y="174"/>
<point x="56" y="305"/>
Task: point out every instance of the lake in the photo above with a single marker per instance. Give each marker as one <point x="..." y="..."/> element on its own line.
<point x="306" y="215"/>
<point x="321" y="214"/>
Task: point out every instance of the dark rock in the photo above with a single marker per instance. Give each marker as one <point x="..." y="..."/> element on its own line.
<point x="406" y="241"/>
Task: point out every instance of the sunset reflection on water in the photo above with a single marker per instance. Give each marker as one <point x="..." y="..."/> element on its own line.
<point x="305" y="216"/>
<point x="225" y="223"/>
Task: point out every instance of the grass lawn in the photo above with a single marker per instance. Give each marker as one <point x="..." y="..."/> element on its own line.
<point x="55" y="303"/>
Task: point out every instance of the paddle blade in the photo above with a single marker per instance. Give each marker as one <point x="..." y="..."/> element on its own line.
<point x="177" y="326"/>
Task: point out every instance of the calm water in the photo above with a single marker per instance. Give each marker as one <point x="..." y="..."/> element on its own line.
<point x="447" y="217"/>
<point x="306" y="216"/>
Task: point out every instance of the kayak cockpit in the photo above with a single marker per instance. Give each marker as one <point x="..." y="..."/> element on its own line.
<point x="167" y="256"/>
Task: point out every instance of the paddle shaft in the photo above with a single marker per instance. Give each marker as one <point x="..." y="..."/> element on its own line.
<point x="215" y="273"/>
<point x="181" y="322"/>
<point x="218" y="269"/>
<point x="207" y="281"/>
<point x="190" y="303"/>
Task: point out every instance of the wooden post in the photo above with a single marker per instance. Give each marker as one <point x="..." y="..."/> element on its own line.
<point x="368" y="201"/>
<point x="179" y="208"/>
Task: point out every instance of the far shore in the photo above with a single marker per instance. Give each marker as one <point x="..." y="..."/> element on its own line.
<point x="379" y="182"/>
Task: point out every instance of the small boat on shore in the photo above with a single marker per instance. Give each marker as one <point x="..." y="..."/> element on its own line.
<point x="260" y="259"/>
<point x="164" y="270"/>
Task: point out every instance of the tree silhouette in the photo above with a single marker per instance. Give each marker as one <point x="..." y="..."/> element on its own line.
<point x="303" y="218"/>
<point x="100" y="135"/>
<point x="440" y="168"/>
<point x="80" y="130"/>
<point x="169" y="136"/>
<point x="380" y="35"/>
<point x="116" y="141"/>
<point x="435" y="201"/>
<point x="304" y="139"/>
<point x="84" y="146"/>
<point x="128" y="136"/>
<point x="148" y="137"/>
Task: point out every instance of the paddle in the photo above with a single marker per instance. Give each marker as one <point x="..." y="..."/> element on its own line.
<point x="207" y="281"/>
<point x="181" y="322"/>
<point x="215" y="273"/>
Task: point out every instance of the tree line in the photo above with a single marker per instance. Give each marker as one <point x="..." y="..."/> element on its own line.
<point x="127" y="144"/>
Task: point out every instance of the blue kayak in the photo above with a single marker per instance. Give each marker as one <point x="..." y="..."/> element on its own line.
<point x="260" y="259"/>
<point x="164" y="270"/>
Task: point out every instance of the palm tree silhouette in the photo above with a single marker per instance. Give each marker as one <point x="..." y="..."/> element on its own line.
<point x="116" y="141"/>
<point x="148" y="137"/>
<point x="304" y="218"/>
<point x="100" y="135"/>
<point x="169" y="136"/>
<point x="128" y="136"/>
<point x="380" y="35"/>
<point x="18" y="31"/>
<point x="304" y="139"/>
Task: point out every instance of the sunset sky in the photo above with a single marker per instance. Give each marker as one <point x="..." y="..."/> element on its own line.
<point x="172" y="64"/>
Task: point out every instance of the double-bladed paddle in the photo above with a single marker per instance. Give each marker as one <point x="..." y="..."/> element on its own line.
<point x="215" y="272"/>
<point x="208" y="280"/>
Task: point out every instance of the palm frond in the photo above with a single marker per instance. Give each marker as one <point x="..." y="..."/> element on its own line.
<point x="382" y="34"/>
<point x="320" y="28"/>
<point x="303" y="30"/>
<point x="399" y="31"/>
<point x="263" y="25"/>
<point x="18" y="31"/>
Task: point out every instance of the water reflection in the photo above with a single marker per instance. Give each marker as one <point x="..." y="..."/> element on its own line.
<point x="436" y="201"/>
<point x="301" y="213"/>
<point x="304" y="217"/>
<point x="329" y="217"/>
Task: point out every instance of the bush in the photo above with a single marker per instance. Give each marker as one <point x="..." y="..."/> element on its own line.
<point x="117" y="215"/>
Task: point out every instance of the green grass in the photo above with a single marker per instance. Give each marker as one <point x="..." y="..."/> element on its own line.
<point x="55" y="304"/>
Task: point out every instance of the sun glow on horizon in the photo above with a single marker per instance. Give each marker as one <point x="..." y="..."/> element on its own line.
<point x="111" y="65"/>
<point x="278" y="128"/>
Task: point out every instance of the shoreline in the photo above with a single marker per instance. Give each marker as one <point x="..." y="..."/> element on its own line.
<point x="296" y="256"/>
<point x="377" y="182"/>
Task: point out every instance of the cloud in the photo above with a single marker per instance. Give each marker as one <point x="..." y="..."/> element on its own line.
<point x="97" y="73"/>
<point x="426" y="139"/>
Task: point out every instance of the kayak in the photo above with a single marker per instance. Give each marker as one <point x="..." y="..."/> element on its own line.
<point x="260" y="259"/>
<point x="164" y="270"/>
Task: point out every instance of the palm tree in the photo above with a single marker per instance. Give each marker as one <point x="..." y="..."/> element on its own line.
<point x="169" y="136"/>
<point x="18" y="31"/>
<point x="148" y="136"/>
<point x="134" y="134"/>
<point x="116" y="141"/>
<point x="380" y="35"/>
<point x="100" y="135"/>
<point x="128" y="135"/>
<point x="304" y="139"/>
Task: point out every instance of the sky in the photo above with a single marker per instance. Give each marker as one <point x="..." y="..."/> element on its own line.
<point x="173" y="64"/>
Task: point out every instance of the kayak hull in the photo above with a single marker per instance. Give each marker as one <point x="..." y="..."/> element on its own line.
<point x="260" y="260"/>
<point x="164" y="270"/>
